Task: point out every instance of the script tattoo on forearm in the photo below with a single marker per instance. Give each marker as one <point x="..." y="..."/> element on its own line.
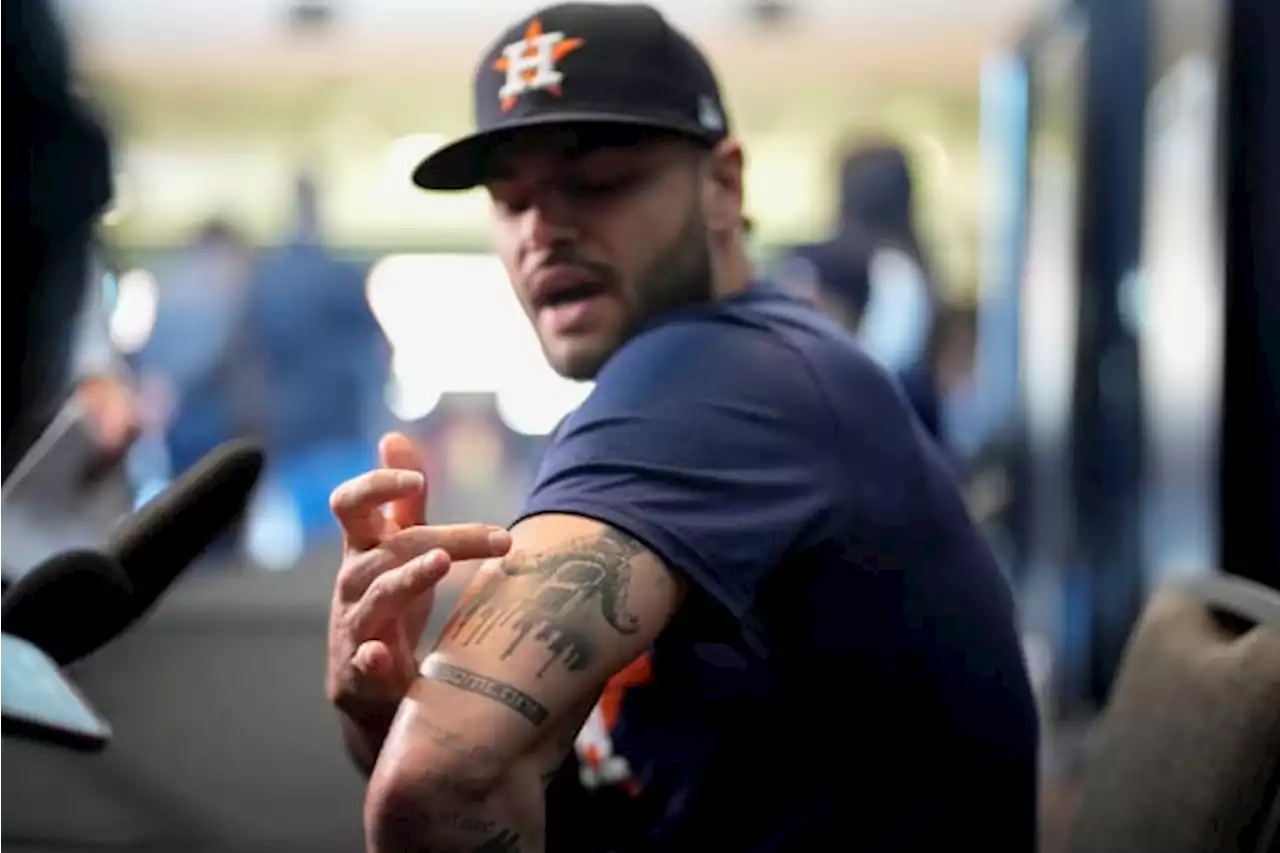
<point x="479" y="757"/>
<point x="490" y="688"/>
<point x="455" y="821"/>
<point x="578" y="584"/>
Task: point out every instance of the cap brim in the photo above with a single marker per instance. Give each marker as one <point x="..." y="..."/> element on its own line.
<point x="461" y="165"/>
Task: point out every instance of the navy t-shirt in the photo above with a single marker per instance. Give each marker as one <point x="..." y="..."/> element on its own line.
<point x="847" y="674"/>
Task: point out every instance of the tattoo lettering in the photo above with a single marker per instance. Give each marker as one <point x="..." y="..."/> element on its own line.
<point x="479" y="756"/>
<point x="460" y="822"/>
<point x="577" y="585"/>
<point x="490" y="688"/>
<point x="506" y="841"/>
<point x="454" y="786"/>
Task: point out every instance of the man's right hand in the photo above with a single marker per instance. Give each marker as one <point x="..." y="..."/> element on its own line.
<point x="392" y="561"/>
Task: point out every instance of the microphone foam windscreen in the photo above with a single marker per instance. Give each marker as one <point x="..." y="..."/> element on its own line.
<point x="156" y="543"/>
<point x="70" y="605"/>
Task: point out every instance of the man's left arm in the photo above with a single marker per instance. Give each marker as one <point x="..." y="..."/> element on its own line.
<point x="516" y="670"/>
<point x="702" y="456"/>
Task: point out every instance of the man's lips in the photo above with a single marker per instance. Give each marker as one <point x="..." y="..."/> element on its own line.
<point x="563" y="284"/>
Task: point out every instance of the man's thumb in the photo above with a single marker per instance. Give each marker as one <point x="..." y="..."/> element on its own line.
<point x="373" y="659"/>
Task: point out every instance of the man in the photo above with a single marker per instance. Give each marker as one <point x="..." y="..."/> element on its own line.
<point x="741" y="544"/>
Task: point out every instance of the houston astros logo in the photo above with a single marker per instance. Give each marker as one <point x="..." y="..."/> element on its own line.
<point x="530" y="64"/>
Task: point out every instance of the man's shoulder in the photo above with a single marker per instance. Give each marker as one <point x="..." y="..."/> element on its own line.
<point x="750" y="340"/>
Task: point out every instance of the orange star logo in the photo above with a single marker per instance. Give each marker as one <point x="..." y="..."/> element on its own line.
<point x="531" y="63"/>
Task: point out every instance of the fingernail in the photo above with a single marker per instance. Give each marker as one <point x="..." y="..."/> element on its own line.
<point x="499" y="540"/>
<point x="408" y="479"/>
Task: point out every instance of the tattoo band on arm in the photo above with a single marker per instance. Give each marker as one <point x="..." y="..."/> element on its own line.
<point x="490" y="688"/>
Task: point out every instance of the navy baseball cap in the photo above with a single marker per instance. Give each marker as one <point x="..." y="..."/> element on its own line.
<point x="583" y="64"/>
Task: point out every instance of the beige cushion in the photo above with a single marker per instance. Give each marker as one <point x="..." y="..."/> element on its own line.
<point x="1188" y="751"/>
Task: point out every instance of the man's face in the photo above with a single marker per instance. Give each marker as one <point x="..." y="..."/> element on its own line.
<point x="599" y="232"/>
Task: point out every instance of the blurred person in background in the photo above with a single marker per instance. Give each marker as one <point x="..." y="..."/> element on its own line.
<point x="834" y="276"/>
<point x="874" y="278"/>
<point x="938" y="384"/>
<point x="198" y="381"/>
<point x="877" y="221"/>
<point x="738" y="544"/>
<point x="324" y="365"/>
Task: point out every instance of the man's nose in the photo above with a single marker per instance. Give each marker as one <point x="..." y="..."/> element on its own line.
<point x="549" y="220"/>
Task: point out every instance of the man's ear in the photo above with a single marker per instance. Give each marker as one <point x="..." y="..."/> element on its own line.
<point x="722" y="192"/>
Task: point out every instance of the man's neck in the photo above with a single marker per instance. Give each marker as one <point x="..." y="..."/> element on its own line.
<point x="733" y="274"/>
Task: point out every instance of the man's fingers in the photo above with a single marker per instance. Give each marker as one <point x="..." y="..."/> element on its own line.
<point x="357" y="503"/>
<point x="393" y="592"/>
<point x="458" y="541"/>
<point x="396" y="450"/>
<point x="370" y="682"/>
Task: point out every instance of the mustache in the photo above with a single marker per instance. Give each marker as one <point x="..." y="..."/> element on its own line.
<point x="569" y="257"/>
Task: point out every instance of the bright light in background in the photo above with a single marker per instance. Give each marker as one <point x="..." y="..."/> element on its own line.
<point x="134" y="314"/>
<point x="410" y="401"/>
<point x="937" y="159"/>
<point x="537" y="410"/>
<point x="456" y="327"/>
<point x="405" y="154"/>
<point x="274" y="536"/>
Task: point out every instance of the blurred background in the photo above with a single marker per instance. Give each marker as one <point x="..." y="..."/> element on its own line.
<point x="1021" y="206"/>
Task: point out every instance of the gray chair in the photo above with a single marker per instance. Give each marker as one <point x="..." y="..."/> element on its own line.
<point x="1187" y="756"/>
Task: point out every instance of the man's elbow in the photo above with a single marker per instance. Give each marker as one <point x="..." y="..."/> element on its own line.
<point x="408" y="795"/>
<point x="394" y="819"/>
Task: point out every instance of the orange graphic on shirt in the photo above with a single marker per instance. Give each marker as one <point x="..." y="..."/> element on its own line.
<point x="601" y="766"/>
<point x="635" y="674"/>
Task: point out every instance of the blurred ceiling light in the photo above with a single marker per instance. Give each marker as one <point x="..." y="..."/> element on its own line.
<point x="405" y="154"/>
<point x="134" y="314"/>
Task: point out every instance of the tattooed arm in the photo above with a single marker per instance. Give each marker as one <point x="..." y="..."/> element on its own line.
<point x="517" y="669"/>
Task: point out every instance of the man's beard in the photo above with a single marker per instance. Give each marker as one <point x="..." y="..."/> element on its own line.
<point x="678" y="277"/>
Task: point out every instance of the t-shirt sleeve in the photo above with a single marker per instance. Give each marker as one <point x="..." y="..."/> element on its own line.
<point x="710" y="443"/>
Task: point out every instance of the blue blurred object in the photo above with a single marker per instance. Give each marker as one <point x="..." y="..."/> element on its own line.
<point x="324" y="358"/>
<point x="308" y="478"/>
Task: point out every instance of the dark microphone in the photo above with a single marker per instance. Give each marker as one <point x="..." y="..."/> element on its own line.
<point x="155" y="544"/>
<point x="69" y="605"/>
<point x="75" y="603"/>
